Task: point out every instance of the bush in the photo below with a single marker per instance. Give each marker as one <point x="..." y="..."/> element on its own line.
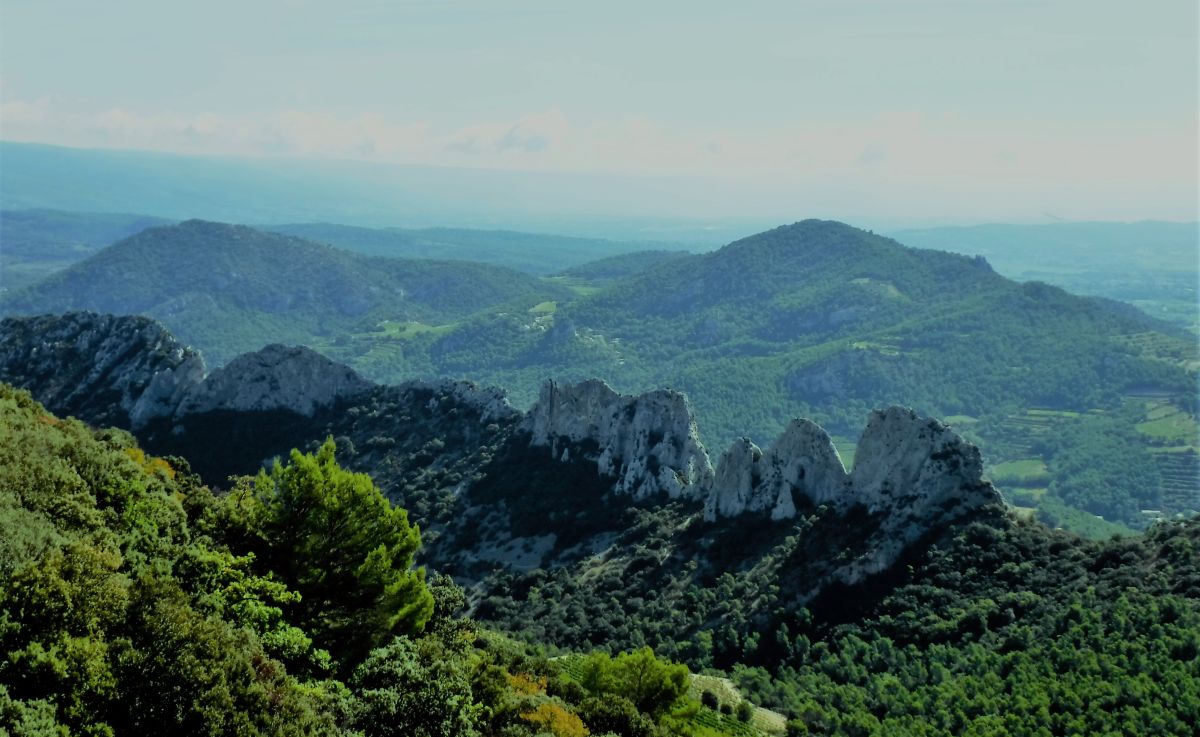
<point x="744" y="711"/>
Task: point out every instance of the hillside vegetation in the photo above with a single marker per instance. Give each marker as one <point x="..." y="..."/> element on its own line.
<point x="36" y="243"/>
<point x="136" y="601"/>
<point x="230" y="289"/>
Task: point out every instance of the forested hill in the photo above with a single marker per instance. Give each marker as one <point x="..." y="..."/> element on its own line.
<point x="819" y="319"/>
<point x="136" y="600"/>
<point x="229" y="289"/>
<point x="37" y="243"/>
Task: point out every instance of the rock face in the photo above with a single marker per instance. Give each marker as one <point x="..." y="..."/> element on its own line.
<point x="278" y="377"/>
<point x="801" y="461"/>
<point x="648" y="443"/>
<point x="906" y="467"/>
<point x="490" y="402"/>
<point x="105" y="370"/>
<point x="911" y="471"/>
<point x="915" y="468"/>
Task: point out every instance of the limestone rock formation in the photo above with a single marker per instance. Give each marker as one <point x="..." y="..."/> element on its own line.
<point x="801" y="461"/>
<point x="914" y="468"/>
<point x="277" y="377"/>
<point x="912" y="476"/>
<point x="648" y="443"/>
<point x="490" y="402"/>
<point x="906" y="467"/>
<point x="105" y="370"/>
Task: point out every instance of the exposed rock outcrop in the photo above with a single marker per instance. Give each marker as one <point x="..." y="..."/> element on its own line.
<point x="105" y="370"/>
<point x="278" y="377"/>
<point x="491" y="403"/>
<point x="801" y="461"/>
<point x="906" y="466"/>
<point x="648" y="443"/>
<point x="918" y="475"/>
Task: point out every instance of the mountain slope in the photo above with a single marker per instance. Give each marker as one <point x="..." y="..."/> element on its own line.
<point x="976" y="623"/>
<point x="823" y="320"/>
<point x="621" y="266"/>
<point x="228" y="289"/>
<point x="36" y="243"/>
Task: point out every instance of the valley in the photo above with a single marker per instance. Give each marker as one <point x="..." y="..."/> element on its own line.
<point x="805" y="595"/>
<point x="542" y="369"/>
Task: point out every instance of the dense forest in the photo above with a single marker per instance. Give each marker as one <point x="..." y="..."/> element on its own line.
<point x="135" y="599"/>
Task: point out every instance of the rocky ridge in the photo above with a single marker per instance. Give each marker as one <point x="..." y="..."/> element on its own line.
<point x="803" y="460"/>
<point x="129" y="371"/>
<point x="914" y="471"/>
<point x="105" y="370"/>
<point x="912" y="475"/>
<point x="648" y="443"/>
<point x="292" y="378"/>
<point x="502" y="492"/>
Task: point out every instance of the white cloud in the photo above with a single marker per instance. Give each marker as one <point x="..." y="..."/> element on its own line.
<point x="896" y="159"/>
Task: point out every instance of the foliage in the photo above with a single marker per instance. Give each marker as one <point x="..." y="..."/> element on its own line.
<point x="412" y="688"/>
<point x="103" y="628"/>
<point x="1002" y="625"/>
<point x="134" y="600"/>
<point x="331" y="536"/>
<point x="650" y="684"/>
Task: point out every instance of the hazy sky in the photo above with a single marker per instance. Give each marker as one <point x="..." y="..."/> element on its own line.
<point x="961" y="109"/>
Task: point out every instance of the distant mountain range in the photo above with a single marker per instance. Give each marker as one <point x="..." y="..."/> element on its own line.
<point x="815" y="319"/>
<point x="38" y="243"/>
<point x="1153" y="265"/>
<point x="532" y="253"/>
<point x="229" y="289"/>
<point x="262" y="191"/>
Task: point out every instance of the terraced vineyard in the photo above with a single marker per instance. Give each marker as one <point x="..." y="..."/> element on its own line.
<point x="762" y="721"/>
<point x="1180" y="485"/>
<point x="1018" y="434"/>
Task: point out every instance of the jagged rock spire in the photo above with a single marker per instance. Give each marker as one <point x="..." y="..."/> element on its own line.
<point x="649" y="443"/>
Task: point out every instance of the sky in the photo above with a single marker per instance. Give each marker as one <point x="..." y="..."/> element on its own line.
<point x="959" y="110"/>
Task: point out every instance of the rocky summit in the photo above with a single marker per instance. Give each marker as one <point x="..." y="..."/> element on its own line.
<point x="908" y="468"/>
<point x="648" y="443"/>
<point x="102" y="369"/>
<point x="291" y="378"/>
<point x="129" y="371"/>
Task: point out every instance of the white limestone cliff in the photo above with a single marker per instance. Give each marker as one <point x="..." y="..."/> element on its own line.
<point x="649" y="443"/>
<point x="803" y="461"/>
<point x="278" y="377"/>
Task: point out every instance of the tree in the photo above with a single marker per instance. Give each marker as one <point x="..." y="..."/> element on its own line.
<point x="334" y="538"/>
<point x="652" y="685"/>
<point x="413" y="688"/>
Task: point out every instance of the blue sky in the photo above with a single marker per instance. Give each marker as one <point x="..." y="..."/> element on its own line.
<point x="963" y="110"/>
